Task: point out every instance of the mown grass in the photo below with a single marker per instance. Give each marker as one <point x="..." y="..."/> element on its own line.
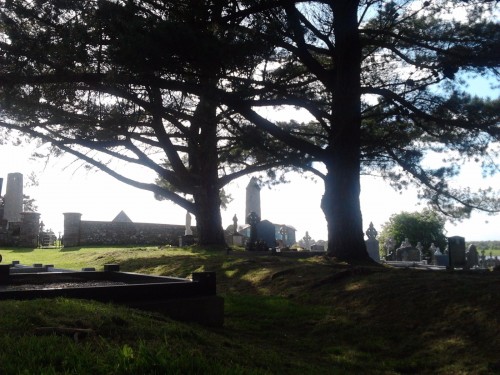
<point x="283" y="316"/>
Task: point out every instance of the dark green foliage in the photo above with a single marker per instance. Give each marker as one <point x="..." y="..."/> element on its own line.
<point x="144" y="81"/>
<point x="135" y="82"/>
<point x="426" y="227"/>
<point x="384" y="81"/>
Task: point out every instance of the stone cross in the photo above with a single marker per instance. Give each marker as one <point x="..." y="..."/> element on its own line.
<point x="253" y="219"/>
<point x="307" y="241"/>
<point x="483" y="259"/>
<point x="434" y="250"/>
<point x="472" y="256"/>
<point x="390" y="245"/>
<point x="283" y="232"/>
<point x="371" y="232"/>
<point x="372" y="244"/>
<point x="406" y="243"/>
<point x="235" y="224"/>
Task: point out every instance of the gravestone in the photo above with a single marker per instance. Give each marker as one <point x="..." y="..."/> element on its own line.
<point x="438" y="258"/>
<point x="317" y="247"/>
<point x="456" y="251"/>
<point x="372" y="244"/>
<point x="266" y="233"/>
<point x="307" y="241"/>
<point x="283" y="233"/>
<point x="237" y="239"/>
<point x="482" y="259"/>
<point x="252" y="219"/>
<point x="408" y="254"/>
<point x="472" y="257"/>
<point x="399" y="251"/>
<point x="390" y="246"/>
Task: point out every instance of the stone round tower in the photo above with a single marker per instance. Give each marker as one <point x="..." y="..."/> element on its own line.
<point x="253" y="198"/>
<point x="13" y="200"/>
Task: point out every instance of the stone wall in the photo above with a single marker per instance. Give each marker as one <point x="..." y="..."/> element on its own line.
<point x="79" y="232"/>
<point x="21" y="234"/>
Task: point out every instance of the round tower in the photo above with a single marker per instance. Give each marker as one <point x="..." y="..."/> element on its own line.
<point x="253" y="198"/>
<point x="13" y="200"/>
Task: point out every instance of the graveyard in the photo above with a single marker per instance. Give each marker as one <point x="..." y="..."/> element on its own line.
<point x="125" y="297"/>
<point x="182" y="99"/>
<point x="281" y="315"/>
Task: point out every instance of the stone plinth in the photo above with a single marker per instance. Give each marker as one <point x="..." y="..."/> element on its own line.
<point x="72" y="222"/>
<point x="29" y="229"/>
<point x="372" y="247"/>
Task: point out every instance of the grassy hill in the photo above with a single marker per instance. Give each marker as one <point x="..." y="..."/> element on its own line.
<point x="283" y="316"/>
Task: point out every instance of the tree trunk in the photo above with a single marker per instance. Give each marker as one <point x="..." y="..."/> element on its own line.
<point x="208" y="217"/>
<point x="204" y="162"/>
<point x="341" y="203"/>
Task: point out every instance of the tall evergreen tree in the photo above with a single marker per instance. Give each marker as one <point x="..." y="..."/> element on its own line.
<point x="88" y="77"/>
<point x="383" y="81"/>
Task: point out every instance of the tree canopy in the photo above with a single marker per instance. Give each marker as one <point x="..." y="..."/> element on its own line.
<point x="425" y="227"/>
<point x="88" y="76"/>
<point x="384" y="83"/>
<point x="382" y="80"/>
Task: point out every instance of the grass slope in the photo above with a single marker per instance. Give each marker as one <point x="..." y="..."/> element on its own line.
<point x="283" y="316"/>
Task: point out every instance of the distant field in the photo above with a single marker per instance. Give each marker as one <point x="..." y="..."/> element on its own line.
<point x="487" y="246"/>
<point x="495" y="251"/>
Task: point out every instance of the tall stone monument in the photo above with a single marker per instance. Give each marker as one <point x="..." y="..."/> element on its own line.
<point x="13" y="200"/>
<point x="188" y="231"/>
<point x="372" y="244"/>
<point x="253" y="199"/>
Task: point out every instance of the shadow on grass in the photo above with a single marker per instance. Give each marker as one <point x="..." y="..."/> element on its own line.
<point x="229" y="275"/>
<point x="68" y="249"/>
<point x="385" y="310"/>
<point x="18" y="249"/>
